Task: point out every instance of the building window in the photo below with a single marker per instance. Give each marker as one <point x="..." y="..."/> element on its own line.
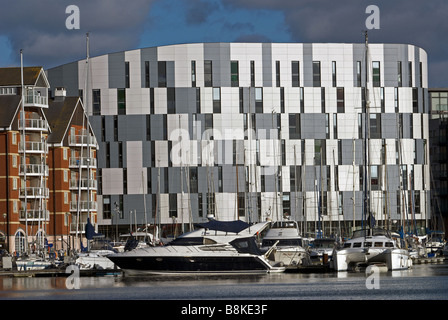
<point x="14" y="138"/>
<point x="282" y="100"/>
<point x="340" y="97"/>
<point x="383" y="104"/>
<point x="374" y="178"/>
<point x="161" y="74"/>
<point x="121" y="101"/>
<point x="125" y="180"/>
<point x="96" y="101"/>
<point x="286" y="203"/>
<point x="107" y="154"/>
<point x="399" y="74"/>
<point x="103" y="128"/>
<point x="358" y="74"/>
<point x="322" y="99"/>
<point x="375" y="126"/>
<point x="208" y="73"/>
<point x="198" y="100"/>
<point x="241" y="100"/>
<point x="115" y="128"/>
<point x="65" y="153"/>
<point x="316" y="73"/>
<point x="193" y="180"/>
<point x="241" y="204"/>
<point x="252" y="73"/>
<point x="410" y="73"/>
<point x="127" y="75"/>
<point x="333" y="73"/>
<point x="234" y="78"/>
<point x="295" y="73"/>
<point x="420" y="74"/>
<point x="151" y="101"/>
<point x="376" y="73"/>
<point x="200" y="205"/>
<point x="277" y="73"/>
<point x="120" y="154"/>
<point x="302" y="100"/>
<point x="335" y="125"/>
<point x="396" y="104"/>
<point x="193" y="73"/>
<point x="171" y="100"/>
<point x="106" y="207"/>
<point x="414" y="100"/>
<point x="258" y="100"/>
<point x="294" y="126"/>
<point x="14" y="161"/>
<point x="65" y="175"/>
<point x="147" y="78"/>
<point x="216" y="100"/>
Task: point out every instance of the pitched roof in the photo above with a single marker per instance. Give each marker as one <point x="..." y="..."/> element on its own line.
<point x="13" y="76"/>
<point x="59" y="114"/>
<point x="9" y="104"/>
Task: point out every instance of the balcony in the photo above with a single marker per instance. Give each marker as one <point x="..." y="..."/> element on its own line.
<point x="33" y="169"/>
<point x="34" y="215"/>
<point x="34" y="192"/>
<point x="83" y="162"/>
<point x="83" y="184"/>
<point x="33" y="124"/>
<point x="80" y="229"/>
<point x="33" y="147"/>
<point x="81" y="140"/>
<point x="83" y="206"/>
<point x="36" y="100"/>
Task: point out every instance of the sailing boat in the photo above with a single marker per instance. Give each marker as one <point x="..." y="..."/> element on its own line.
<point x="370" y="245"/>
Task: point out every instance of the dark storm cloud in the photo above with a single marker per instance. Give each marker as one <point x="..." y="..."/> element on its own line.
<point x="421" y="23"/>
<point x="199" y="10"/>
<point x="39" y="28"/>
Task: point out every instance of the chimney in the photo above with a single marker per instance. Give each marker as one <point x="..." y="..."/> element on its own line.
<point x="59" y="94"/>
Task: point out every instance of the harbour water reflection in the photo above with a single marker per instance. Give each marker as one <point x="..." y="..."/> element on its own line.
<point x="422" y="282"/>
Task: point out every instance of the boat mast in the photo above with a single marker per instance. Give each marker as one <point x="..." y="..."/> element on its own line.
<point x="23" y="140"/>
<point x="367" y="135"/>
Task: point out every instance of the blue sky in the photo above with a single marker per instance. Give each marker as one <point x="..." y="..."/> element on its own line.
<point x="38" y="27"/>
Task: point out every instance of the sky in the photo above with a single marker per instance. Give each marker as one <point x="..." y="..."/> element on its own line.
<point x="39" y="27"/>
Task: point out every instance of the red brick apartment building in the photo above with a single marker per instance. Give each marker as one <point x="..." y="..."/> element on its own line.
<point x="47" y="165"/>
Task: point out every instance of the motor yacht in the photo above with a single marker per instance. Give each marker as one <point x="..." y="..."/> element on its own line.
<point x="217" y="247"/>
<point x="289" y="249"/>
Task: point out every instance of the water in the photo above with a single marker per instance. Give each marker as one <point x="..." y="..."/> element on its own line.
<point x="422" y="282"/>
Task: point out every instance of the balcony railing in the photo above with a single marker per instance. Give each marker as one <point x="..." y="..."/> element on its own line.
<point x="81" y="227"/>
<point x="34" y="215"/>
<point x="34" y="192"/>
<point x="33" y="124"/>
<point x="33" y="146"/>
<point x="76" y="162"/>
<point x="33" y="169"/>
<point x="83" y="184"/>
<point x="83" y="206"/>
<point x="81" y="140"/>
<point x="34" y="99"/>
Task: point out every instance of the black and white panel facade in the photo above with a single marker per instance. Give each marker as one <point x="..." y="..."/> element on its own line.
<point x="258" y="131"/>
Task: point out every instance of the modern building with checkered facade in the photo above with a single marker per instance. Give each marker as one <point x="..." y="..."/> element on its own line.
<point x="258" y="131"/>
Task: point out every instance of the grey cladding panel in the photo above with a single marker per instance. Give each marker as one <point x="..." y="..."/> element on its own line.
<point x="116" y="70"/>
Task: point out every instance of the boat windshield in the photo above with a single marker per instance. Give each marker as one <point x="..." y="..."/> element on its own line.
<point x="368" y="232"/>
<point x="323" y="243"/>
<point x="284" y="224"/>
<point x="282" y="242"/>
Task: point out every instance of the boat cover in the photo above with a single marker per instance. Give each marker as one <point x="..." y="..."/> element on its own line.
<point x="226" y="226"/>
